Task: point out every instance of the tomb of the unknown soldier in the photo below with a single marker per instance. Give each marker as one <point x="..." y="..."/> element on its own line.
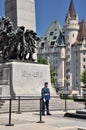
<point x="23" y="79"/>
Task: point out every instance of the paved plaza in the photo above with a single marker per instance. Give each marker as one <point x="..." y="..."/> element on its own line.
<point x="28" y="121"/>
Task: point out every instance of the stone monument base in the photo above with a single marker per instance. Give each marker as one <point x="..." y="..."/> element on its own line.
<point x="23" y="79"/>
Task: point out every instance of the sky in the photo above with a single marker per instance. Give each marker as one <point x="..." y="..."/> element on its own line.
<point x="49" y="10"/>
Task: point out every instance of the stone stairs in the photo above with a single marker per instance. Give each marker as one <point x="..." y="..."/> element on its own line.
<point x="33" y="105"/>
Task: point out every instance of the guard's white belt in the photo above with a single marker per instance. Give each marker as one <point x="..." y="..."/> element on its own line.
<point x="46" y="94"/>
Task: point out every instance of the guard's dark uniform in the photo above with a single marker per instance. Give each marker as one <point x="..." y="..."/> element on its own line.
<point x="45" y="92"/>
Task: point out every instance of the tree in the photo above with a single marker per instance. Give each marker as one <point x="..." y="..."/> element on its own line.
<point x="42" y="61"/>
<point x="52" y="72"/>
<point x="54" y="78"/>
<point x="83" y="78"/>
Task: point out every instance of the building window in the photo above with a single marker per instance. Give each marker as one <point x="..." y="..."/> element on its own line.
<point x="76" y="60"/>
<point x="48" y="49"/>
<point x="83" y="53"/>
<point x="55" y="29"/>
<point x="52" y="44"/>
<point x="76" y="53"/>
<point x="68" y="21"/>
<point x="55" y="37"/>
<point x="45" y="38"/>
<point x="68" y="56"/>
<point x="54" y="68"/>
<point x="51" y="33"/>
<point x="84" y="67"/>
<point x="55" y="48"/>
<point x="84" y="59"/>
<point x="68" y="76"/>
<point x="42" y="45"/>
<point x="56" y="61"/>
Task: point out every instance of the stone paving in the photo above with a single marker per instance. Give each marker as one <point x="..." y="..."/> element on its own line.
<point x="28" y="121"/>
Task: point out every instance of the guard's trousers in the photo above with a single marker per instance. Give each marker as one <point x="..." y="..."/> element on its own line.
<point x="45" y="106"/>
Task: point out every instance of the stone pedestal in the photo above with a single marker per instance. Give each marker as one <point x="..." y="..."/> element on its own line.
<point x="20" y="78"/>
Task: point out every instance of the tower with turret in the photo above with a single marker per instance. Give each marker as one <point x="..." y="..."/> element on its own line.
<point x="71" y="29"/>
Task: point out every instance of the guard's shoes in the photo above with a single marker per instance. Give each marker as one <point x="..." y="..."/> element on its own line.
<point x="43" y="114"/>
<point x="49" y="114"/>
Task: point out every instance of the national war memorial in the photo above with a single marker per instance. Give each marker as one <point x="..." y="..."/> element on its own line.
<point x="20" y="74"/>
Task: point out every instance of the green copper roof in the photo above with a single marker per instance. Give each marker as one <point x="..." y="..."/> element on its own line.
<point x="54" y="33"/>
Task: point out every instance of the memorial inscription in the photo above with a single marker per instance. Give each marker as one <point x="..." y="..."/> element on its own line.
<point x="32" y="74"/>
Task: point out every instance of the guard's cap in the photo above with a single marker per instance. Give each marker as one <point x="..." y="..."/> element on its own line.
<point x="46" y="83"/>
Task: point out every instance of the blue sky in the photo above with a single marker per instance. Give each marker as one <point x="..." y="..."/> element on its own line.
<point x="49" y="10"/>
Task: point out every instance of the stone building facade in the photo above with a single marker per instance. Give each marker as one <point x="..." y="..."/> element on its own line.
<point x="75" y="41"/>
<point x="52" y="48"/>
<point x="68" y="56"/>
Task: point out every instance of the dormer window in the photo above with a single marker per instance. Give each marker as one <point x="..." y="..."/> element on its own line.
<point x="68" y="22"/>
<point x="51" y="33"/>
<point x="52" y="44"/>
<point x="55" y="37"/>
<point x="55" y="29"/>
<point x="45" y="38"/>
<point x="42" y="45"/>
<point x="83" y="38"/>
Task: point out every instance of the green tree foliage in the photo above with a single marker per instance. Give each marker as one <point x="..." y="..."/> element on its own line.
<point x="52" y="72"/>
<point x="42" y="61"/>
<point x="53" y="78"/>
<point x="83" y="78"/>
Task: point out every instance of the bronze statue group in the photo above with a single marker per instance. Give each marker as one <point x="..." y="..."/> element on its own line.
<point x="19" y="44"/>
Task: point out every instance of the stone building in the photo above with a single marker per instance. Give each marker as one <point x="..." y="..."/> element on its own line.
<point x="66" y="49"/>
<point x="75" y="41"/>
<point x="52" y="48"/>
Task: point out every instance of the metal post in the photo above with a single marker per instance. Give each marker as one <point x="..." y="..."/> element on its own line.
<point x="10" y="112"/>
<point x="40" y="121"/>
<point x="65" y="104"/>
<point x="85" y="102"/>
<point x="19" y="106"/>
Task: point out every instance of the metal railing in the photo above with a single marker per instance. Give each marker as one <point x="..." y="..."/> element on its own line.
<point x="31" y="98"/>
<point x="56" y="103"/>
<point x="19" y="98"/>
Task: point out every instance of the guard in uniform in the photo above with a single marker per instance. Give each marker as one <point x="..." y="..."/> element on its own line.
<point x="45" y="93"/>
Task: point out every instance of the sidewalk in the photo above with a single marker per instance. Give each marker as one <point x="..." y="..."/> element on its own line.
<point x="28" y="121"/>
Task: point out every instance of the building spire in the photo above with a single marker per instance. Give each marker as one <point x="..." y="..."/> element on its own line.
<point x="72" y="11"/>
